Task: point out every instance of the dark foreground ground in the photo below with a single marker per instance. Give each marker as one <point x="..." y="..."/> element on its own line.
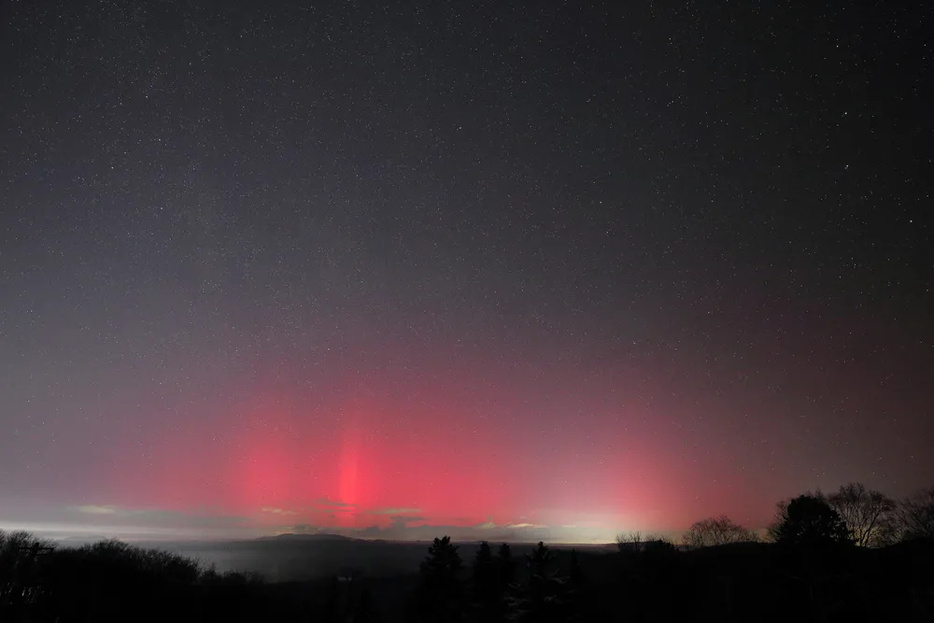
<point x="345" y="580"/>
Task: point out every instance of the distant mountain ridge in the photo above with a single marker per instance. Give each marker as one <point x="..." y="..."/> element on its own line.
<point x="298" y="537"/>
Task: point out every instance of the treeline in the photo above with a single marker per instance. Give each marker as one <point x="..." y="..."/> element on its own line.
<point x="114" y="581"/>
<point x="852" y="555"/>
<point x="852" y="514"/>
<point x="498" y="587"/>
<point x="653" y="580"/>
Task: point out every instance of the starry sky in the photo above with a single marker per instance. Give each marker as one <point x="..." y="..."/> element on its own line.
<point x="393" y="268"/>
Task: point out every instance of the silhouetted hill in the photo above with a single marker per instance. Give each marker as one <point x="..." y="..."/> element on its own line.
<point x="307" y="538"/>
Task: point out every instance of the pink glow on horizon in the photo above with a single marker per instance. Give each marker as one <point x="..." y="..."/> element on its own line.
<point x="421" y="454"/>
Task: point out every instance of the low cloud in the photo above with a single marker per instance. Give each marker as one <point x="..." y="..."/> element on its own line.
<point x="96" y="509"/>
<point x="395" y="511"/>
<point x="331" y="505"/>
<point x="402" y="521"/>
<point x="134" y="523"/>
<point x="322" y="516"/>
<point x="278" y="511"/>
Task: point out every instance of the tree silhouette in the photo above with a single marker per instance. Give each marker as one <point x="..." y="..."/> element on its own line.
<point x="506" y="567"/>
<point x="575" y="589"/>
<point x="648" y="570"/>
<point x="486" y="590"/>
<point x="542" y="599"/>
<point x="808" y="520"/>
<point x="484" y="568"/>
<point x="869" y="515"/>
<point x="113" y="581"/>
<point x="441" y="592"/>
<point x="20" y="573"/>
<point x="365" y="611"/>
<point x="575" y="573"/>
<point x="916" y="516"/>
<point x="716" y="531"/>
<point x="630" y="542"/>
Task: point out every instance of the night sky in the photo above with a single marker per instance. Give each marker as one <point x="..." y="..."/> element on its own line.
<point x="398" y="268"/>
